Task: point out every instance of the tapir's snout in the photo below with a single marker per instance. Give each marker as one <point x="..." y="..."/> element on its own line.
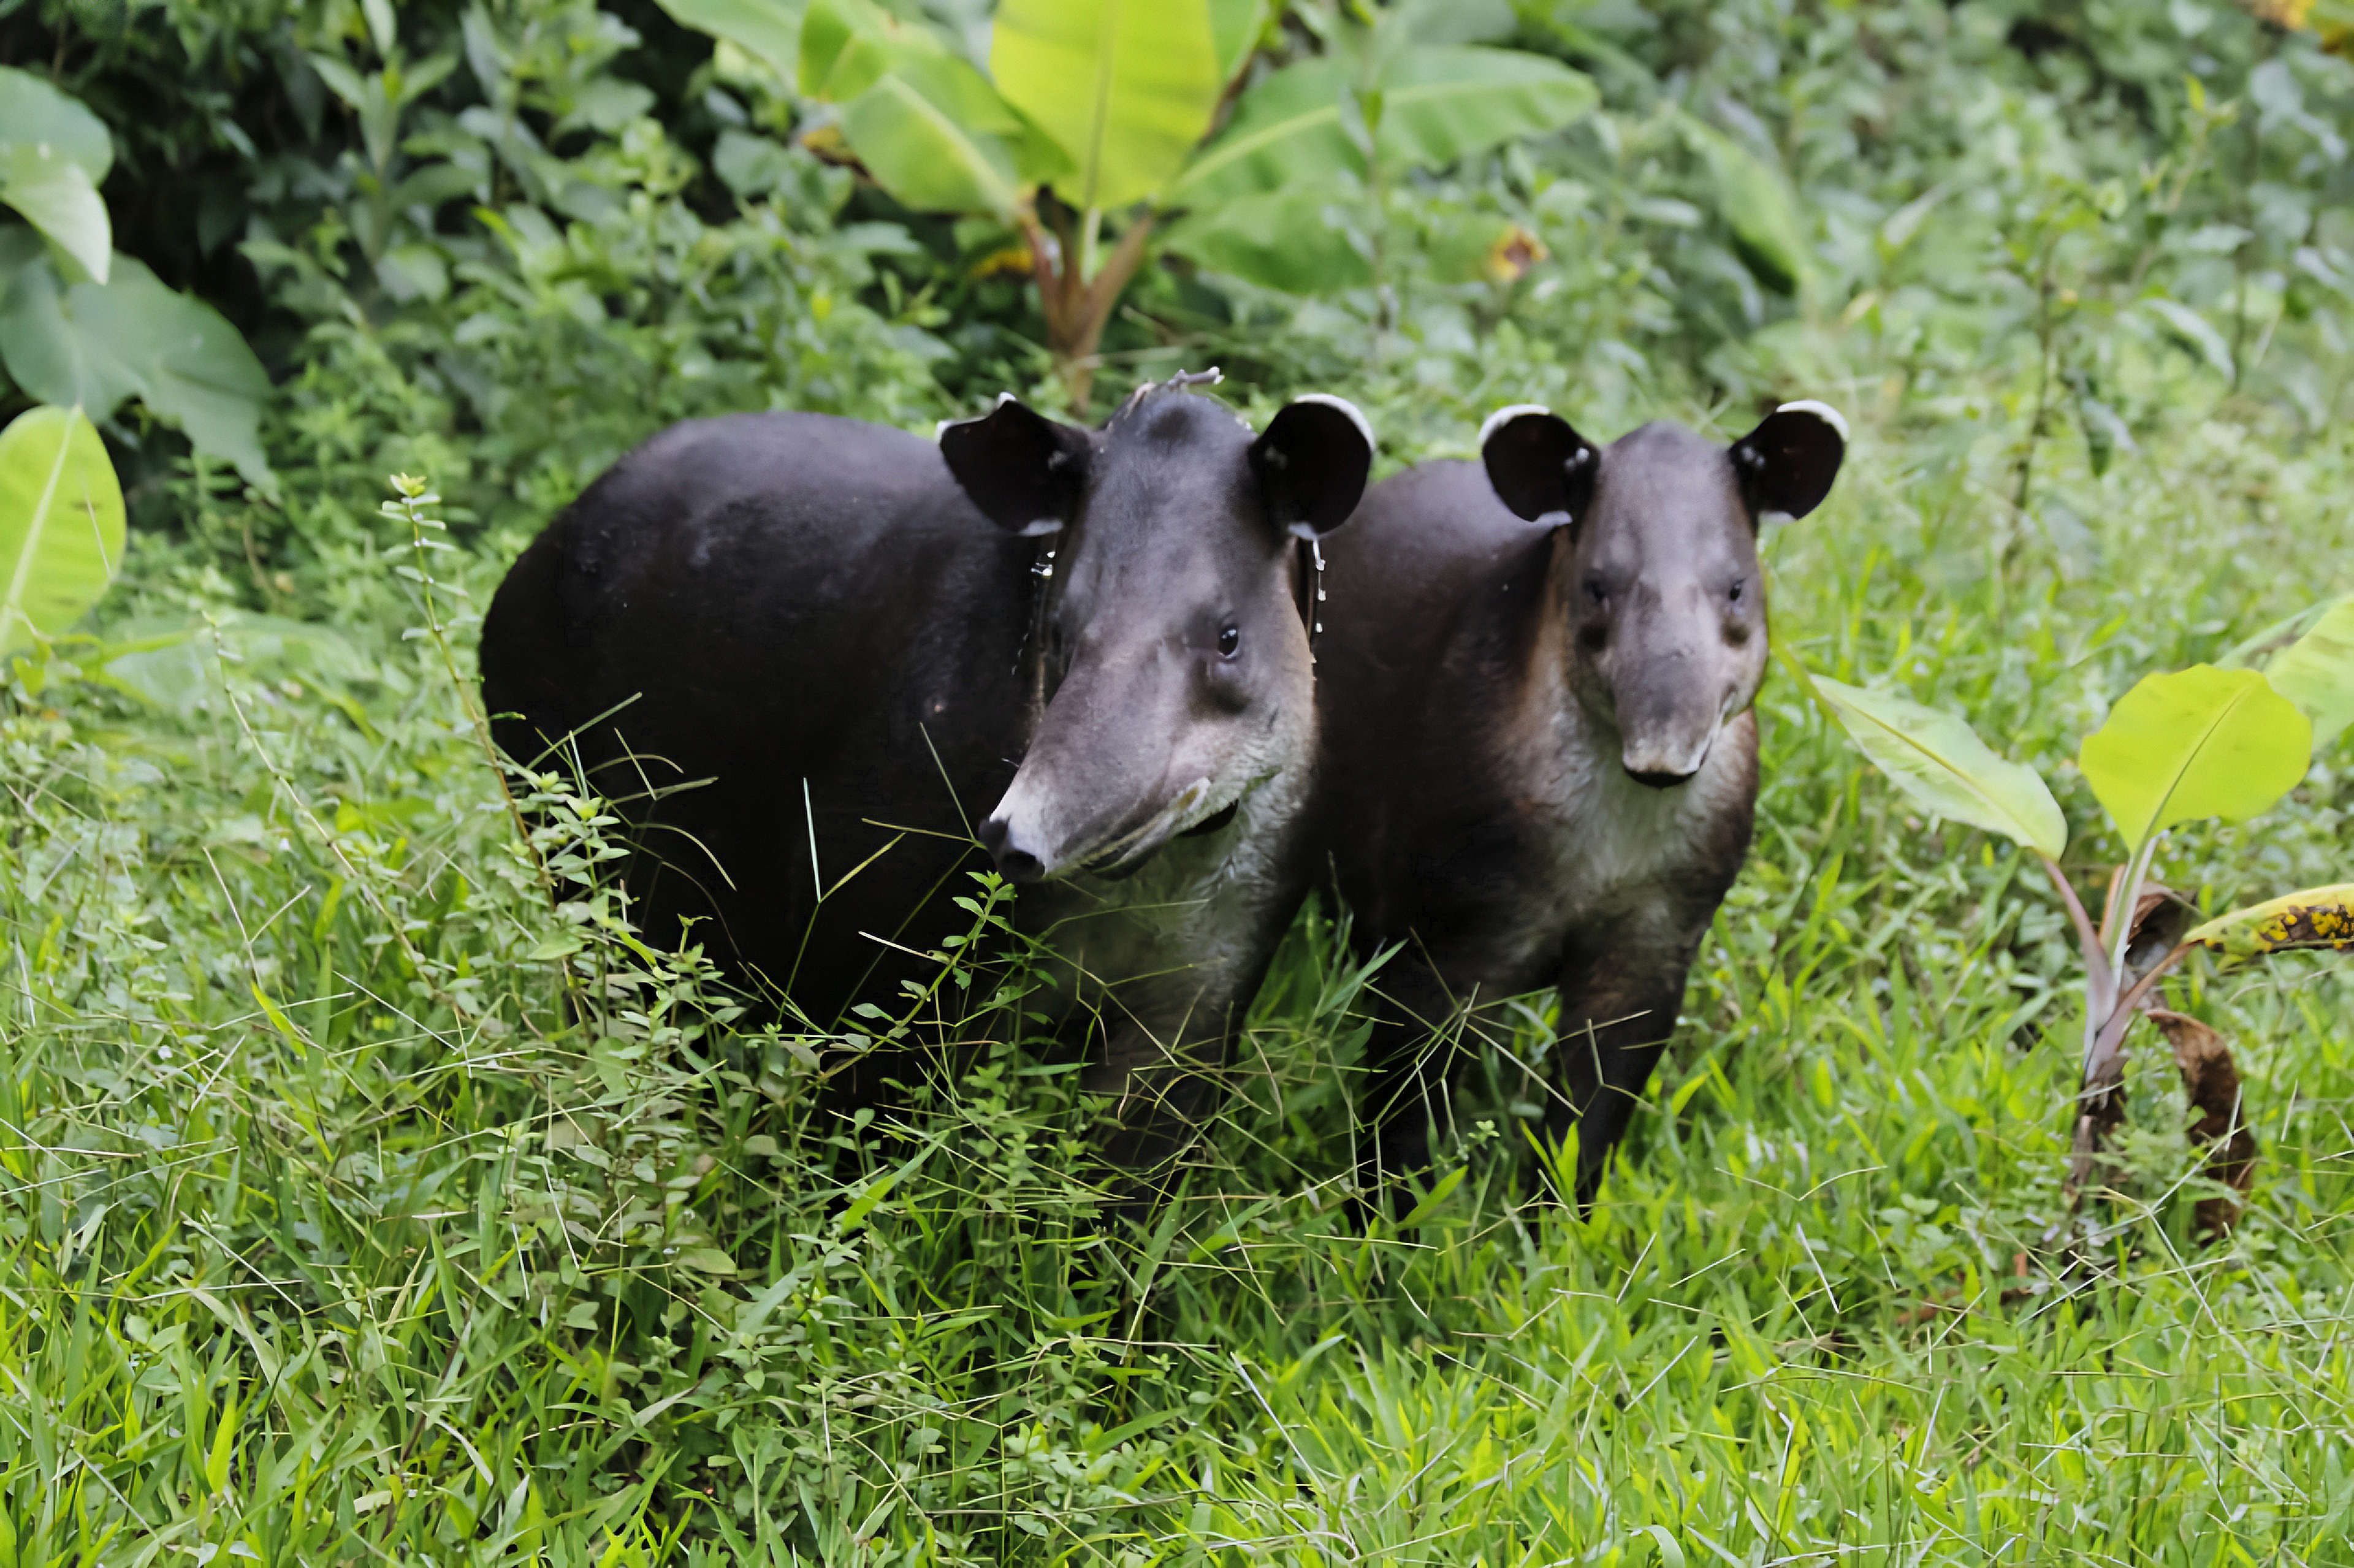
<point x="1015" y="861"/>
<point x="1664" y="766"/>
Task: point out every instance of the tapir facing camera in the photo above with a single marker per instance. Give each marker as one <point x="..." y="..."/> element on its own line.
<point x="1540" y="762"/>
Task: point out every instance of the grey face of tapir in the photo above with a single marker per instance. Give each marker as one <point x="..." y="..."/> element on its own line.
<point x="1176" y="662"/>
<point x="1656" y="565"/>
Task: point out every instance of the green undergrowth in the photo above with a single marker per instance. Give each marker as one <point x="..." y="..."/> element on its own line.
<point x="361" y="1205"/>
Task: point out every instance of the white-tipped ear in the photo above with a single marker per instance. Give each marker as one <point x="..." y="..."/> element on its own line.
<point x="1040" y="528"/>
<point x="1356" y="414"/>
<point x="1823" y="411"/>
<point x="1506" y="414"/>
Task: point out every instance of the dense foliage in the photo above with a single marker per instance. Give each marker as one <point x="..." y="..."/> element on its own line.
<point x="362" y="1201"/>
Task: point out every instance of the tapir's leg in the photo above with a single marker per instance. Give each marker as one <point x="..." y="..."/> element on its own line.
<point x="1410" y="1059"/>
<point x="1619" y="996"/>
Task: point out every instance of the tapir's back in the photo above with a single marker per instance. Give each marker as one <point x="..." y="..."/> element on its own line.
<point x="805" y="622"/>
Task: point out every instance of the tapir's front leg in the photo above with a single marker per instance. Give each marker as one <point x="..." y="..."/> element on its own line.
<point x="1620" y="990"/>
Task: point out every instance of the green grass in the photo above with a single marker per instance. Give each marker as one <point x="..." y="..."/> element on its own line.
<point x="356" y="1207"/>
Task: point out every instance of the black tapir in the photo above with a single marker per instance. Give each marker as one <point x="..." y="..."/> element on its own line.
<point x="1540" y="765"/>
<point x="807" y="655"/>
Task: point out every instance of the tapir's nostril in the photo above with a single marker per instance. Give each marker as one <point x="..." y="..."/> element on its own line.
<point x="1013" y="862"/>
<point x="1657" y="780"/>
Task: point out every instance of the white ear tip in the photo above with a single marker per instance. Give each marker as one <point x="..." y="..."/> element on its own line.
<point x="1823" y="411"/>
<point x="1505" y="415"/>
<point x="941" y="427"/>
<point x="1003" y="400"/>
<point x="1356" y="414"/>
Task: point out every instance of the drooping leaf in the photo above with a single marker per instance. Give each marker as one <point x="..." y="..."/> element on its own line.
<point x="31" y="111"/>
<point x="56" y="196"/>
<point x="769" y="30"/>
<point x="99" y="343"/>
<point x="60" y="524"/>
<point x="2201" y="742"/>
<point x="1442" y="105"/>
<point x="829" y="31"/>
<point x="1234" y="28"/>
<point x="2315" y="917"/>
<point x="1285" y="131"/>
<point x="1756" y="203"/>
<point x="1303" y="242"/>
<point x="1439" y="105"/>
<point x="1941" y="763"/>
<point x="2317" y="673"/>
<point x="924" y="156"/>
<point x="1126" y="86"/>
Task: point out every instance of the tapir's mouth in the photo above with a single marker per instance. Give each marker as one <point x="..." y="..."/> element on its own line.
<point x="1125" y="854"/>
<point x="1659" y="769"/>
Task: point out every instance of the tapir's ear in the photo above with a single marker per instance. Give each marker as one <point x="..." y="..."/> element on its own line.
<point x="1312" y="464"/>
<point x="1787" y="463"/>
<point x="1024" y="471"/>
<point x="1537" y="463"/>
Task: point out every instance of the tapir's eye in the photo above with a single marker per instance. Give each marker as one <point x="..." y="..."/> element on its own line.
<point x="1595" y="593"/>
<point x="1228" y="640"/>
<point x="1734" y="593"/>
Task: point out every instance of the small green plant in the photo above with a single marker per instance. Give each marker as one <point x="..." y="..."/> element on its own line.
<point x="2200" y="743"/>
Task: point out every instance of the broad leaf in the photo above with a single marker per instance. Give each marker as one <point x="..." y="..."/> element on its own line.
<point x="32" y="112"/>
<point x="769" y="30"/>
<point x="833" y="66"/>
<point x="1126" y="87"/>
<point x="1438" y="106"/>
<point x="60" y="524"/>
<point x="1940" y="762"/>
<point x="2317" y="918"/>
<point x="2201" y="742"/>
<point x="97" y="343"/>
<point x="909" y="132"/>
<point x="1301" y="241"/>
<point x="1285" y="131"/>
<point x="2317" y="673"/>
<point x="1234" y="28"/>
<point x="1442" y="105"/>
<point x="56" y="196"/>
<point x="1756" y="203"/>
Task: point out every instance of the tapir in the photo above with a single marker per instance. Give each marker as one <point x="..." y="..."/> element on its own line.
<point x="1540" y="765"/>
<point x="821" y="667"/>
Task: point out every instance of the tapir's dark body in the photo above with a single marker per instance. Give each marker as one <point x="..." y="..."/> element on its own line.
<point x="785" y="639"/>
<point x="1540" y="769"/>
<point x="781" y="604"/>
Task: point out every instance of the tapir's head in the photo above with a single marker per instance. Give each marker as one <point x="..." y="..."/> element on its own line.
<point x="1176" y="663"/>
<point x="1656" y="563"/>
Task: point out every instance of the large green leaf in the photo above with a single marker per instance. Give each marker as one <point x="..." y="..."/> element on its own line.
<point x="32" y="112"/>
<point x="53" y="154"/>
<point x="1286" y="131"/>
<point x="60" y="524"/>
<point x="770" y="30"/>
<point x="2317" y="673"/>
<point x="1126" y="87"/>
<point x="1439" y="105"/>
<point x="907" y="130"/>
<point x="96" y="345"/>
<point x="1756" y="203"/>
<point x="2315" y="917"/>
<point x="2201" y="742"/>
<point x="1303" y="242"/>
<point x="1941" y="763"/>
<point x="56" y="196"/>
<point x="1234" y="28"/>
